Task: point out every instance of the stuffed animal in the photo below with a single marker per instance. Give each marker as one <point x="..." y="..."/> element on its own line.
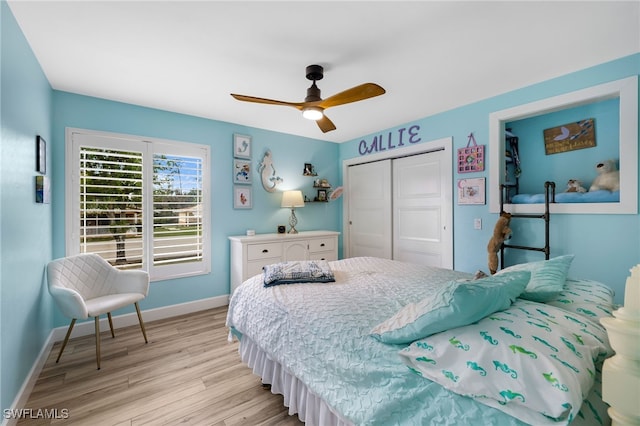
<point x="608" y="177"/>
<point x="501" y="232"/>
<point x="574" y="185"/>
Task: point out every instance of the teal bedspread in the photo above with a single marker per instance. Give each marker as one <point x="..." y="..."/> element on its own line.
<point x="321" y="334"/>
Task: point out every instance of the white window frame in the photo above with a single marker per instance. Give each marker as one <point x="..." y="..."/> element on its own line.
<point x="75" y="138"/>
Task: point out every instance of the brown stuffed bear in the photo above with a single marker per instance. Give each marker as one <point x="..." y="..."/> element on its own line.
<point x="501" y="232"/>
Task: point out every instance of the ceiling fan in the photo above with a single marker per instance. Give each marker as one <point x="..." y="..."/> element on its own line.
<point x="313" y="106"/>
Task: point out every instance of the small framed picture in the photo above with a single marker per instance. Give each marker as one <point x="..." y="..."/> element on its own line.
<point x="241" y="171"/>
<point x="41" y="155"/>
<point x="43" y="193"/>
<point x="308" y="170"/>
<point x="241" y="146"/>
<point x="322" y="195"/>
<point x="471" y="191"/>
<point x="242" y="197"/>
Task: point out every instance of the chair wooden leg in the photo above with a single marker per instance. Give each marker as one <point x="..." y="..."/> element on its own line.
<point x="144" y="333"/>
<point x="97" y="318"/>
<point x="113" y="335"/>
<point x="66" y="338"/>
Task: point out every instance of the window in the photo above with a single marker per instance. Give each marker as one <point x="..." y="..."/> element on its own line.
<point x="139" y="203"/>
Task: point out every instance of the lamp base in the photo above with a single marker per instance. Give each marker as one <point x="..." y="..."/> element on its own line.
<point x="293" y="221"/>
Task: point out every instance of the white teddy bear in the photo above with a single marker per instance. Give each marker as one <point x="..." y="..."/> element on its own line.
<point x="608" y="177"/>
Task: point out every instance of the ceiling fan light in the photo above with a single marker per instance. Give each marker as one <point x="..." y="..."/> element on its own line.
<point x="312" y="113"/>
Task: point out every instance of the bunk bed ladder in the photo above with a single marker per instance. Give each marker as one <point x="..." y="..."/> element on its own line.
<point x="549" y="197"/>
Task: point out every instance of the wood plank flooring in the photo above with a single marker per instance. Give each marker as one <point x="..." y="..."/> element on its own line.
<point x="188" y="373"/>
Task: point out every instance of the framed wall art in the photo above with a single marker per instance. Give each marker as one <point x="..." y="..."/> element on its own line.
<point x="471" y="191"/>
<point x="41" y="155"/>
<point x="241" y="171"/>
<point x="471" y="158"/>
<point x="241" y="146"/>
<point x="242" y="198"/>
<point x="43" y="192"/>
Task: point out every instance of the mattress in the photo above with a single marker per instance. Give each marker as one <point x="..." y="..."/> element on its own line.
<point x="312" y="343"/>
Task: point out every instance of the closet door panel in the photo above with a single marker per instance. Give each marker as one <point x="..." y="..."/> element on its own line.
<point x="420" y="234"/>
<point x="369" y="191"/>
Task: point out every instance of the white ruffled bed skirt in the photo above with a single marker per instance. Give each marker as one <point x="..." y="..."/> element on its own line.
<point x="310" y="408"/>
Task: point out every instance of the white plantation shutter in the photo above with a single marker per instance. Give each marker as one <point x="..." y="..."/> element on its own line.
<point x="139" y="203"/>
<point x="111" y="208"/>
<point x="177" y="209"/>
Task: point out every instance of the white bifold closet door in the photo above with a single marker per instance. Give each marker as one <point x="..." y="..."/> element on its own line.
<point x="400" y="209"/>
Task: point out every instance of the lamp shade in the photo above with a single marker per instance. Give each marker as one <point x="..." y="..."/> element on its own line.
<point x="292" y="199"/>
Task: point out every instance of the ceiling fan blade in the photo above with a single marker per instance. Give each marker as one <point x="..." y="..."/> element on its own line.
<point x="325" y="124"/>
<point x="357" y="93"/>
<point x="297" y="105"/>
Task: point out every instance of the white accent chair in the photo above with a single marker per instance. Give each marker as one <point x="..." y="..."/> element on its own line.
<point x="86" y="286"/>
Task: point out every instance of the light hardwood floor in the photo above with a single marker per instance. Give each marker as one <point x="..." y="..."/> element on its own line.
<point x="188" y="373"/>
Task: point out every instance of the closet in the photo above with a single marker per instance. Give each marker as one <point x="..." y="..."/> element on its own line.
<point x="400" y="208"/>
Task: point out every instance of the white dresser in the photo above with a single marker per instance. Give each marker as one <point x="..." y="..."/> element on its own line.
<point x="250" y="253"/>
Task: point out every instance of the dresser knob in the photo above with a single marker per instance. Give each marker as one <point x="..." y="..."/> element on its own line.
<point x="265" y="251"/>
<point x="322" y="245"/>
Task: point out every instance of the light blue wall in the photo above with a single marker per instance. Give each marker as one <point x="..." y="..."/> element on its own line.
<point x="25" y="227"/>
<point x="606" y="246"/>
<point x="289" y="155"/>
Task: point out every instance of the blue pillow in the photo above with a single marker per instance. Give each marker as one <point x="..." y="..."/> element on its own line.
<point x="547" y="277"/>
<point x="454" y="305"/>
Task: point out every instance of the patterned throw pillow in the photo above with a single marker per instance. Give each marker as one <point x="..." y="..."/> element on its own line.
<point x="533" y="361"/>
<point x="588" y="298"/>
<point x="547" y="277"/>
<point x="301" y="271"/>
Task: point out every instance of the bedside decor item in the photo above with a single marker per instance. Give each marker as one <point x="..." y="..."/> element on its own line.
<point x="241" y="146"/>
<point x="620" y="374"/>
<point x="292" y="199"/>
<point x="242" y="197"/>
<point x="282" y="229"/>
<point x="241" y="171"/>
<point x="41" y="155"/>
<point x="471" y="158"/>
<point x="268" y="173"/>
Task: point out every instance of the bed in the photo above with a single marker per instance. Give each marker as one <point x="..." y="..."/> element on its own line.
<point x="342" y="352"/>
<point x="601" y="196"/>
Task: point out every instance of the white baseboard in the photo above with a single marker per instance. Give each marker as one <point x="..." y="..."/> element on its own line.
<point x="88" y="328"/>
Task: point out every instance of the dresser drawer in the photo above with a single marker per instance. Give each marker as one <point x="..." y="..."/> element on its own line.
<point x="264" y="251"/>
<point x="255" y="267"/>
<point x="323" y="255"/>
<point x="321" y="244"/>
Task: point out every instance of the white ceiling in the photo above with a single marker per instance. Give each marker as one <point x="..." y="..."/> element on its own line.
<point x="430" y="56"/>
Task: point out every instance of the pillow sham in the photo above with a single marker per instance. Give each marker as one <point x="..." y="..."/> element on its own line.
<point x="300" y="271"/>
<point x="455" y="304"/>
<point x="588" y="298"/>
<point x="533" y="361"/>
<point x="547" y="277"/>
